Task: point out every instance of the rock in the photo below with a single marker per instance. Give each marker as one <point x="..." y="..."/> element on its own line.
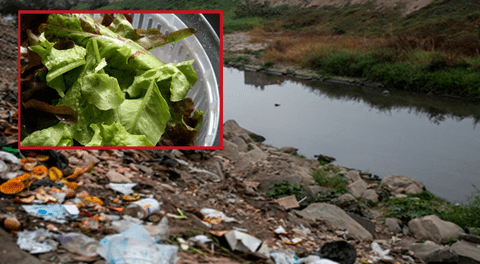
<point x="400" y="196"/>
<point x="442" y="255"/>
<point x="339" y="251"/>
<point x="367" y="224"/>
<point x="346" y="197"/>
<point x="230" y="149"/>
<point x="353" y="176"/>
<point x="324" y="158"/>
<point x="371" y="195"/>
<point x="11" y="253"/>
<point x="231" y="130"/>
<point x="393" y="226"/>
<point x="470" y="238"/>
<point x="358" y="188"/>
<point x="289" y="150"/>
<point x="400" y="183"/>
<point x="338" y="218"/>
<point x="254" y="155"/>
<point x="314" y="190"/>
<point x="242" y="146"/>
<point x="468" y="253"/>
<point x="114" y="176"/>
<point x="433" y="228"/>
<point x="89" y="158"/>
<point x="422" y="250"/>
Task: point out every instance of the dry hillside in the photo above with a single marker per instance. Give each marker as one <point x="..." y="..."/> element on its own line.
<point x="405" y="6"/>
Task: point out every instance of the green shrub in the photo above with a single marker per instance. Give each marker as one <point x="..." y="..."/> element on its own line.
<point x="284" y="188"/>
<point x="337" y="182"/>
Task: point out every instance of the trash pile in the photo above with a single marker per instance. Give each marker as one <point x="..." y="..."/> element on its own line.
<point x="162" y="206"/>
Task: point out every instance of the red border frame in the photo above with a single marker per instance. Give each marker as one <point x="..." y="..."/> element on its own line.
<point x="220" y="12"/>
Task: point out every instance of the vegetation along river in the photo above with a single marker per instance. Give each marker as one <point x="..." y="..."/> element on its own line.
<point x="434" y="140"/>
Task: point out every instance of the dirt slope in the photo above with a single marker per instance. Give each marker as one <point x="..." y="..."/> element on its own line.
<point x="405" y="6"/>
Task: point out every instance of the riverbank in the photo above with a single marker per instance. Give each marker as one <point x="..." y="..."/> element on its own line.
<point x="376" y="204"/>
<point x="268" y="52"/>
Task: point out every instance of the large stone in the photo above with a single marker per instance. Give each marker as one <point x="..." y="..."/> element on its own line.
<point x="468" y="253"/>
<point x="114" y="176"/>
<point x="289" y="150"/>
<point x="231" y="129"/>
<point x="230" y="149"/>
<point x="371" y="195"/>
<point x="254" y="155"/>
<point x="358" y="188"/>
<point x="470" y="238"/>
<point x="433" y="228"/>
<point x="422" y="250"/>
<point x="367" y="224"/>
<point x="346" y="197"/>
<point x="401" y="183"/>
<point x="393" y="226"/>
<point x="444" y="255"/>
<point x="242" y="146"/>
<point x="336" y="217"/>
<point x="353" y="176"/>
<point x="314" y="190"/>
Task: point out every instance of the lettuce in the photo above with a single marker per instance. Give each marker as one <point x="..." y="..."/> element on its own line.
<point x="124" y="95"/>
<point x="116" y="135"/>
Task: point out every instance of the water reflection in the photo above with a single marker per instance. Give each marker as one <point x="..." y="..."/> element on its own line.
<point x="424" y="137"/>
<point x="436" y="109"/>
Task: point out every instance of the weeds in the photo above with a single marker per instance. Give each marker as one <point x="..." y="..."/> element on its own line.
<point x="339" y="183"/>
<point x="284" y="188"/>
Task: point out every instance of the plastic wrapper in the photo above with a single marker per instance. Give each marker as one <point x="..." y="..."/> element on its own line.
<point x="159" y="232"/>
<point x="38" y="241"/>
<point x="52" y="212"/>
<point x="242" y="242"/>
<point x="125" y="188"/>
<point x="136" y="246"/>
<point x="9" y="166"/>
<point x="215" y="216"/>
<point x="381" y="253"/>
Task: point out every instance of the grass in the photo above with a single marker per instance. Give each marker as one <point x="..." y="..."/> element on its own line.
<point x="464" y="215"/>
<point x="285" y="188"/>
<point x="336" y="182"/>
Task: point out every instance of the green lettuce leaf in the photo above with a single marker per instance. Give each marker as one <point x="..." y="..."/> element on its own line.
<point x="148" y="113"/>
<point x="57" y="61"/>
<point x="57" y="135"/>
<point x="173" y="81"/>
<point x="116" y="135"/>
<point x="102" y="91"/>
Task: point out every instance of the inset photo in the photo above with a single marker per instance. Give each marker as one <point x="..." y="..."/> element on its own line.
<point x="120" y="79"/>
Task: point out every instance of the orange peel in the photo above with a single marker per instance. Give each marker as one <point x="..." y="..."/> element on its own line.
<point x="55" y="174"/>
<point x="12" y="186"/>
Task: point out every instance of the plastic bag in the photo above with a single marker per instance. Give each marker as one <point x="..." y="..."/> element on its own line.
<point x="136" y="246"/>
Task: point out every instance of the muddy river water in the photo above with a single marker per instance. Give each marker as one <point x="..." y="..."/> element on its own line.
<point x="434" y="140"/>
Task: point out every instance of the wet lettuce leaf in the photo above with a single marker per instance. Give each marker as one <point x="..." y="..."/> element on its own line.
<point x="119" y="87"/>
<point x="57" y="136"/>
<point x="116" y="135"/>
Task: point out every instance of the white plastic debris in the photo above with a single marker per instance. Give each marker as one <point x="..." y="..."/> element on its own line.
<point x="57" y="213"/>
<point x="38" y="241"/>
<point x="242" y="242"/>
<point x="313" y="259"/>
<point x="158" y="232"/>
<point x="202" y="239"/>
<point x="381" y="253"/>
<point x="182" y="162"/>
<point x="9" y="166"/>
<point x="125" y="188"/>
<point x="212" y="213"/>
<point x="134" y="246"/>
<point x="280" y="230"/>
<point x="217" y="178"/>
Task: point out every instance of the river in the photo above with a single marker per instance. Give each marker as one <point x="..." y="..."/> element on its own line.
<point x="434" y="140"/>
